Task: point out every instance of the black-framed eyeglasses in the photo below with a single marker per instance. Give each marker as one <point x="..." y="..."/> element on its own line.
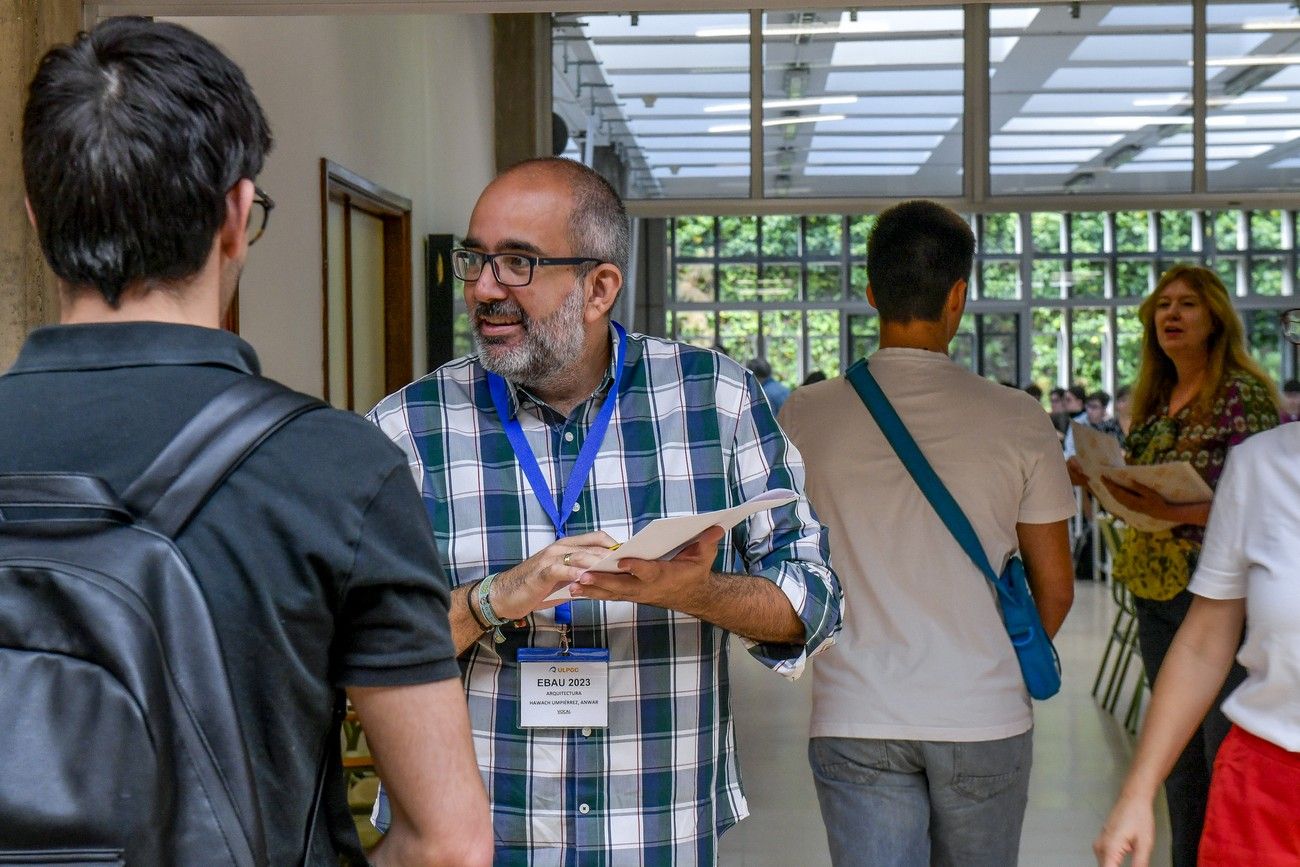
<point x="1291" y="325"/>
<point x="510" y="269"/>
<point x="256" y="224"/>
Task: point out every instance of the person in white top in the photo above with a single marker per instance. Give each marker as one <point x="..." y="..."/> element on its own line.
<point x="1247" y="573"/>
<point x="920" y="739"/>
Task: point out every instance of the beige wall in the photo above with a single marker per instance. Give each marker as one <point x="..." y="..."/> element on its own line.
<point x="404" y="101"/>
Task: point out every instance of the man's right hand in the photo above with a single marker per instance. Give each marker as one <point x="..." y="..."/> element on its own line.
<point x="1129" y="830"/>
<point x="520" y="591"/>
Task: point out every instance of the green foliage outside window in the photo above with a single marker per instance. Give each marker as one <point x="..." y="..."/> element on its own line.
<point x="824" y="342"/>
<point x="1089" y="279"/>
<point x="864" y="336"/>
<point x="1044" y="367"/>
<point x="1266" y="276"/>
<point x="1000" y="280"/>
<point x="824" y="281"/>
<point x="962" y="347"/>
<point x="694" y="283"/>
<point x="695" y="327"/>
<point x="781" y="236"/>
<point x="1089" y="328"/>
<point x="1046" y="229"/>
<point x="1176" y="229"/>
<point x="823" y="236"/>
<point x="1048" y="276"/>
<point x="783" y="343"/>
<point x="739" y="236"/>
<point x="998" y="347"/>
<point x="1266" y="230"/>
<point x="780" y="282"/>
<point x="999" y="233"/>
<point x="1132" y="278"/>
<point x="1226" y="230"/>
<point x="738" y="333"/>
<point x="1226" y="268"/>
<point x="694" y="236"/>
<point x="1128" y="345"/>
<point x="1263" y="335"/>
<point x="1087" y="233"/>
<point x="1132" y="231"/>
<point x="738" y="282"/>
<point x="859" y="231"/>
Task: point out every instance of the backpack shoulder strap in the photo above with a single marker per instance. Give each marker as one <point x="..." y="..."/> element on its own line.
<point x="209" y="448"/>
<point x="914" y="460"/>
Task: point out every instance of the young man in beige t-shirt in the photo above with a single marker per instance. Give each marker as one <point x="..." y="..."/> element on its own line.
<point x="921" y="726"/>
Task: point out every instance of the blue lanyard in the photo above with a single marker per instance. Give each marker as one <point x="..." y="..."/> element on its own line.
<point x="560" y="512"/>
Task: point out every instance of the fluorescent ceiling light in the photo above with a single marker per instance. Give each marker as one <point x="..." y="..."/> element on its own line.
<point x="1288" y="24"/>
<point x="843" y="27"/>
<point x="1058" y="123"/>
<point x="1254" y="60"/>
<point x="1245" y="99"/>
<point x="783" y="103"/>
<point x="777" y="121"/>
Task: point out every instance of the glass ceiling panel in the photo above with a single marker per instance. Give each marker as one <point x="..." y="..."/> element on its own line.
<point x="653" y="91"/>
<point x="1073" y="80"/>
<point x="834" y="121"/>
<point x="1251" y="61"/>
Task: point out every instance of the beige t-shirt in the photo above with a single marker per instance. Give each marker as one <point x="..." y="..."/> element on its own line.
<point x="923" y="654"/>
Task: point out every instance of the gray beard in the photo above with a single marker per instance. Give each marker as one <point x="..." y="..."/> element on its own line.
<point x="549" y="344"/>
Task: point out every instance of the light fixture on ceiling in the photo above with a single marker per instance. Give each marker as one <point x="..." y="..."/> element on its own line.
<point x="1260" y="24"/>
<point x="842" y="28"/>
<point x="782" y="103"/>
<point x="1186" y="101"/>
<point x="1254" y="60"/>
<point x="779" y="121"/>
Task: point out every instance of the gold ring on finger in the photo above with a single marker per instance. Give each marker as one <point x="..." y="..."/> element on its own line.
<point x="567" y="558"/>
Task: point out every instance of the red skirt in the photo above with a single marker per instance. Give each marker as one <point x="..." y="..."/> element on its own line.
<point x="1253" y="816"/>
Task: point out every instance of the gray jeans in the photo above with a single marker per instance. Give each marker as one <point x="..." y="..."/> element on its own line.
<point x="890" y="803"/>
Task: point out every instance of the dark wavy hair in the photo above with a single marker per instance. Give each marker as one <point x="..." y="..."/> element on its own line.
<point x="132" y="136"/>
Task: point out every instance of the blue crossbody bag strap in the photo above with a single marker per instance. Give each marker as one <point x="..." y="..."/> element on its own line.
<point x="926" y="478"/>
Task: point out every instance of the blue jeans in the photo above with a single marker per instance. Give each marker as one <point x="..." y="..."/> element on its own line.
<point x="892" y="803"/>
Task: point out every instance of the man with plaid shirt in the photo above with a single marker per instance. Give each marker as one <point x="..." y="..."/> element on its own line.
<point x="655" y="429"/>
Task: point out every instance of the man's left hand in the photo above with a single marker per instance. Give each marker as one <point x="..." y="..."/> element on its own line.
<point x="683" y="583"/>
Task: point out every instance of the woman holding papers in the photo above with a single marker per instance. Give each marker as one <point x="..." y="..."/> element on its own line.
<point x="1198" y="394"/>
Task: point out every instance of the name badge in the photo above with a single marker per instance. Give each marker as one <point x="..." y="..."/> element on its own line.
<point x="563" y="690"/>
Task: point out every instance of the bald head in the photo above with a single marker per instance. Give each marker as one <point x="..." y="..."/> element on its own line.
<point x="597" y="220"/>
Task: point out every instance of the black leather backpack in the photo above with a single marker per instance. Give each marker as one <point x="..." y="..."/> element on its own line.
<point x="119" y="741"/>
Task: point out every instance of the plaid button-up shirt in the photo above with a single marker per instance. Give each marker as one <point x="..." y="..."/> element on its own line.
<point x="692" y="432"/>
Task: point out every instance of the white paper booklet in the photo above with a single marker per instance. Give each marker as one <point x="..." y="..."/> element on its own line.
<point x="1101" y="457"/>
<point x="662" y="538"/>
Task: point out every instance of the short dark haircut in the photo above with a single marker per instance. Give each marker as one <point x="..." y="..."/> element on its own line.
<point x="1034" y="391"/>
<point x="1101" y="397"/>
<point x="917" y="251"/>
<point x="1079" y="392"/>
<point x="760" y="368"/>
<point x="1057" y="392"/>
<point x="132" y="136"/>
<point x="1291" y="386"/>
<point x="598" y="224"/>
<point x="1123" y="391"/>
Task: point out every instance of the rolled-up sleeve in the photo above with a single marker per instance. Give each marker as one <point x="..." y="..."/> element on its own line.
<point x="787" y="545"/>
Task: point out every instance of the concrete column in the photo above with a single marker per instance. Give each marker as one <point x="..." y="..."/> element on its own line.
<point x="27" y="295"/>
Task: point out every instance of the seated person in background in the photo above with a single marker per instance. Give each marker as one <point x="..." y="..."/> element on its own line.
<point x="1035" y="392"/>
<point x="776" y="392"/>
<point x="1123" y="408"/>
<point x="815" y="376"/>
<point x="1095" y="407"/>
<point x="1291" y="401"/>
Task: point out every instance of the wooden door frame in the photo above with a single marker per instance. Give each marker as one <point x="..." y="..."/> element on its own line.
<point x="394" y="211"/>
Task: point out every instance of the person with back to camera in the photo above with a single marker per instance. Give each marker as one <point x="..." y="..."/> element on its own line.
<point x="1246" y="575"/>
<point x="1197" y="395"/>
<point x="141" y="142"/>
<point x="922" y="727"/>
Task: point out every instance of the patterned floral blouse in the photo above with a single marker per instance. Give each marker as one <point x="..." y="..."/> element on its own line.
<point x="1159" y="565"/>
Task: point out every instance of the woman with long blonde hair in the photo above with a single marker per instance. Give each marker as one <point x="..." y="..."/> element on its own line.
<point x="1198" y="394"/>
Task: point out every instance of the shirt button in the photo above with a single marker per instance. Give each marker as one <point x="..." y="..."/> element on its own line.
<point x="584" y="809"/>
<point x="577" y="507"/>
<point x="568" y="436"/>
<point x="586" y="733"/>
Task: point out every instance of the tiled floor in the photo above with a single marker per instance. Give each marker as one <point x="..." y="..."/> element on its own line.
<point x="1080" y="752"/>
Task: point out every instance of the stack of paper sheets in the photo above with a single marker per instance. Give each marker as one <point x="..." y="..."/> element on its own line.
<point x="1101" y="457"/>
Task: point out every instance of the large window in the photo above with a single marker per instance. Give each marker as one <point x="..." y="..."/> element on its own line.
<point x="1054" y="296"/>
<point x="964" y="102"/>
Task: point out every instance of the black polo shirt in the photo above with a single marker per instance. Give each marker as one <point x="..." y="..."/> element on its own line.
<point x="316" y="556"/>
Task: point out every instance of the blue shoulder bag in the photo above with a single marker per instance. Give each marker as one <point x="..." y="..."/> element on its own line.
<point x="1039" y="664"/>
